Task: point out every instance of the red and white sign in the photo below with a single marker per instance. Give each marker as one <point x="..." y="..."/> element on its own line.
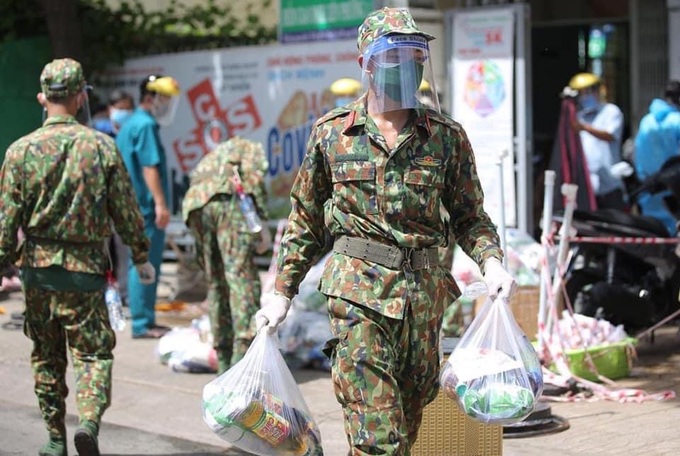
<point x="270" y="94"/>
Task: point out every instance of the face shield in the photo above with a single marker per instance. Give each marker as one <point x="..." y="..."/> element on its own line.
<point x="164" y="109"/>
<point x="393" y="68"/>
<point x="84" y="116"/>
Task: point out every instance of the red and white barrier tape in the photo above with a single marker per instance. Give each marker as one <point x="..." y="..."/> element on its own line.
<point x="622" y="240"/>
<point x="600" y="392"/>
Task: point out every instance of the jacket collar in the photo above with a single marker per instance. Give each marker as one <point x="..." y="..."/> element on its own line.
<point x="52" y="120"/>
<point x="358" y="117"/>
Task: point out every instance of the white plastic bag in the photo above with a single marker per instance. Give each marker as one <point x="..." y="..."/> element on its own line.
<point x="257" y="406"/>
<point x="196" y="358"/>
<point x="494" y="373"/>
<point x="175" y="340"/>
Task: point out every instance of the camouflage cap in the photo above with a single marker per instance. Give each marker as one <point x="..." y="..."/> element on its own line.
<point x="61" y="78"/>
<point x="385" y="22"/>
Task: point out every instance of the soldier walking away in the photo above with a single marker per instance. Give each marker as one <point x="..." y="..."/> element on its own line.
<point x="376" y="175"/>
<point x="225" y="245"/>
<point x="62" y="185"/>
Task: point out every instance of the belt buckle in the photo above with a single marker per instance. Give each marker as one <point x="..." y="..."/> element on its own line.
<point x="407" y="257"/>
<point x="426" y="259"/>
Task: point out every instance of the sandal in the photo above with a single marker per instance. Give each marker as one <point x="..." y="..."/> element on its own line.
<point x="161" y="327"/>
<point x="16" y="322"/>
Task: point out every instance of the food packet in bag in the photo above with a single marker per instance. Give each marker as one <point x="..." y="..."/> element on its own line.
<point x="494" y="373"/>
<point x="257" y="406"/>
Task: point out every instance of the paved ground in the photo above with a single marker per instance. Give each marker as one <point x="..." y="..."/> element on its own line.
<point x="157" y="412"/>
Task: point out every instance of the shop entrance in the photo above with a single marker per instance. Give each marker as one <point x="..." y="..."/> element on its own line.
<point x="559" y="52"/>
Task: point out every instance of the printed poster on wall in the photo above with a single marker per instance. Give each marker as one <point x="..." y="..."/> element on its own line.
<point x="482" y="90"/>
<point x="270" y="94"/>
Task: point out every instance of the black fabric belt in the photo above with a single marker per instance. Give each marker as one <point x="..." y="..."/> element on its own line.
<point x="49" y="241"/>
<point x="387" y="255"/>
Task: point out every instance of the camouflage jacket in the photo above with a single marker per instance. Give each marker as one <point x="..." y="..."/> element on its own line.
<point x="213" y="175"/>
<point x="63" y="185"/>
<point x="352" y="184"/>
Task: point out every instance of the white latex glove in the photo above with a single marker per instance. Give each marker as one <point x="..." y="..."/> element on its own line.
<point x="273" y="312"/>
<point x="498" y="281"/>
<point x="622" y="169"/>
<point x="147" y="273"/>
<point x="265" y="241"/>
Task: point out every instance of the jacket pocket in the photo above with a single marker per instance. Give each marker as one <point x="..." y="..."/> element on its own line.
<point x="354" y="189"/>
<point x="422" y="193"/>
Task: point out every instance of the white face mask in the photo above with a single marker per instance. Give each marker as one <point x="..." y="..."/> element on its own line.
<point x="118" y="116"/>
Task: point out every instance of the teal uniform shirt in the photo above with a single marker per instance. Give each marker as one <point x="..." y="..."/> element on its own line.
<point x="140" y="144"/>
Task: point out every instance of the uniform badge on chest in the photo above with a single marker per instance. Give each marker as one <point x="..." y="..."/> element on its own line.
<point x="427" y="161"/>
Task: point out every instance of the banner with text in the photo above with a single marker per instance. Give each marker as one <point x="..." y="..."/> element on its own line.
<point x="270" y="94"/>
<point x="318" y="20"/>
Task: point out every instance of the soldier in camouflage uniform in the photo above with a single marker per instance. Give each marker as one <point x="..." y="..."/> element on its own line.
<point x="225" y="247"/>
<point x="376" y="174"/>
<point x="62" y="185"/>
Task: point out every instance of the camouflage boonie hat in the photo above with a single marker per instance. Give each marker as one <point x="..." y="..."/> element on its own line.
<point x="61" y="78"/>
<point x="387" y="21"/>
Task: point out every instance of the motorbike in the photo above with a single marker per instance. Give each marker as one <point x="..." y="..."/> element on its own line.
<point x="635" y="284"/>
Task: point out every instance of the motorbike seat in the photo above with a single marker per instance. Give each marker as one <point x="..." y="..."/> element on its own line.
<point x="621" y="223"/>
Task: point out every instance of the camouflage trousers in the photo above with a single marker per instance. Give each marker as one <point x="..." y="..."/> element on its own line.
<point x="227" y="258"/>
<point x="384" y="371"/>
<point x="55" y="320"/>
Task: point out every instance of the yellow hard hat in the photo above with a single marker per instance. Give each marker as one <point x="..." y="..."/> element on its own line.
<point x="345" y="87"/>
<point x="582" y="81"/>
<point x="424" y="86"/>
<point x="164" y="85"/>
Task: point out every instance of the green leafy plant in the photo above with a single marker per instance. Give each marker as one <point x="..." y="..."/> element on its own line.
<point x="110" y="35"/>
<point x="131" y="31"/>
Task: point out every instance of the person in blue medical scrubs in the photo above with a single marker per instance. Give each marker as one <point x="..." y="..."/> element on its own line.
<point x="139" y="143"/>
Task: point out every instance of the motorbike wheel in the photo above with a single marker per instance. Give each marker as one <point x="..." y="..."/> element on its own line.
<point x="577" y="281"/>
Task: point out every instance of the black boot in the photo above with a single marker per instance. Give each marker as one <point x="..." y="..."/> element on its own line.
<point x="86" y="440"/>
